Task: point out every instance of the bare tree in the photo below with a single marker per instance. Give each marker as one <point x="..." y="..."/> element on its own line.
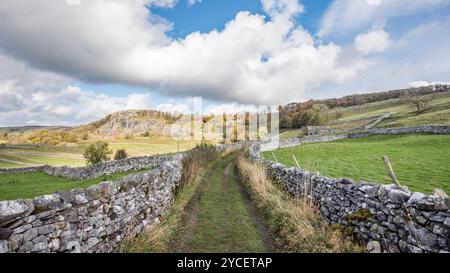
<point x="420" y="103"/>
<point x="338" y="114"/>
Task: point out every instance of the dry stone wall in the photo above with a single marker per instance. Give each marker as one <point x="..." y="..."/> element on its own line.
<point x="388" y="217"/>
<point x="95" y="219"/>
<point x="106" y="168"/>
<point x="429" y="129"/>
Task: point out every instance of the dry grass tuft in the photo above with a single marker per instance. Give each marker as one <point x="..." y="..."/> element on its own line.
<point x="295" y="220"/>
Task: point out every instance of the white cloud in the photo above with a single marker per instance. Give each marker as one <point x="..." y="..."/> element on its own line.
<point x="230" y="108"/>
<point x="354" y="15"/>
<point x="425" y="83"/>
<point x="193" y="2"/>
<point x="375" y="41"/>
<point x="30" y="96"/>
<point x="252" y="60"/>
<point x="373" y="2"/>
<point x="418" y="55"/>
<point x="282" y="7"/>
<point x="67" y="106"/>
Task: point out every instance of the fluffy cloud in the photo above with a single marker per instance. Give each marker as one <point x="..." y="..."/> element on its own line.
<point x="372" y="42"/>
<point x="30" y="96"/>
<point x="418" y="55"/>
<point x="193" y="2"/>
<point x="354" y="15"/>
<point x="425" y="83"/>
<point x="252" y="60"/>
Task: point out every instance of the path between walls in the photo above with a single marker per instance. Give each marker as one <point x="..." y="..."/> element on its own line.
<point x="221" y="217"/>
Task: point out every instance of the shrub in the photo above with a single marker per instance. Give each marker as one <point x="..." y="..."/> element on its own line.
<point x="97" y="152"/>
<point x="85" y="136"/>
<point x="120" y="154"/>
<point x="146" y="134"/>
<point x="128" y="136"/>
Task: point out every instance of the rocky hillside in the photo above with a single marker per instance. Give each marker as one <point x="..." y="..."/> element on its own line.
<point x="131" y="122"/>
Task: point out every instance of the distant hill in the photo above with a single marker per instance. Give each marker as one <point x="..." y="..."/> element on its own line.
<point x="23" y="129"/>
<point x="130" y="123"/>
<point x="297" y="115"/>
<point x="122" y="124"/>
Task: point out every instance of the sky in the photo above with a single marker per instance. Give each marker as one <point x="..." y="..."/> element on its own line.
<point x="70" y="62"/>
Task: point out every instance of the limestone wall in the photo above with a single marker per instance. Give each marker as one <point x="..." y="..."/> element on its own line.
<point x="429" y="129"/>
<point x="388" y="216"/>
<point x="95" y="219"/>
<point x="105" y="168"/>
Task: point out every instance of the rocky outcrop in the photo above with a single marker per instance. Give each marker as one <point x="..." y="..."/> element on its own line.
<point x="130" y="122"/>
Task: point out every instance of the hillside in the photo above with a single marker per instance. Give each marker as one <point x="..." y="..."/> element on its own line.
<point x="370" y="107"/>
<point x="130" y="123"/>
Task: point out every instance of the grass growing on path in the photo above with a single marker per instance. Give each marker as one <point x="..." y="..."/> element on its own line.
<point x="223" y="221"/>
<point x="208" y="215"/>
<point x="297" y="222"/>
<point x="421" y="162"/>
<point x="160" y="238"/>
<point x="32" y="184"/>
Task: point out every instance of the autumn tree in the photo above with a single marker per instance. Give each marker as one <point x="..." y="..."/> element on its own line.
<point x="97" y="152"/>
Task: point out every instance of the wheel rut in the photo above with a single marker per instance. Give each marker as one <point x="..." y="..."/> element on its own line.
<point x="221" y="216"/>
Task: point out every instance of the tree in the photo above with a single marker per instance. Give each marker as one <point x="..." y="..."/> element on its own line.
<point x="319" y="114"/>
<point x="286" y="121"/>
<point x="97" y="152"/>
<point x="420" y="103"/>
<point x="120" y="154"/>
<point x="338" y="114"/>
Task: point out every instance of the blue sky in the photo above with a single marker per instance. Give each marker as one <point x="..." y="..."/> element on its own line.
<point x="112" y="55"/>
<point x="204" y="17"/>
<point x="214" y="14"/>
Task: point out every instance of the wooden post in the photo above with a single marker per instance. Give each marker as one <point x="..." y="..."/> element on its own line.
<point x="296" y="162"/>
<point x="276" y="160"/>
<point x="391" y="173"/>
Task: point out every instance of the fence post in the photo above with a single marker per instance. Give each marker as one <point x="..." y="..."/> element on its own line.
<point x="391" y="173"/>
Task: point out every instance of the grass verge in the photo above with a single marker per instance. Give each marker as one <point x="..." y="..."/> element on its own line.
<point x="296" y="222"/>
<point x="33" y="184"/>
<point x="161" y="237"/>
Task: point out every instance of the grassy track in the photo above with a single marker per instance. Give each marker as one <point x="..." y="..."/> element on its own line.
<point x="210" y="215"/>
<point x="32" y="184"/>
<point x="223" y="222"/>
<point x="421" y="162"/>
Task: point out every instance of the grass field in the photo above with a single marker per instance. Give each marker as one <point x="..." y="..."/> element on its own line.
<point x="421" y="162"/>
<point x="291" y="133"/>
<point x="16" y="156"/>
<point x="32" y="184"/>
